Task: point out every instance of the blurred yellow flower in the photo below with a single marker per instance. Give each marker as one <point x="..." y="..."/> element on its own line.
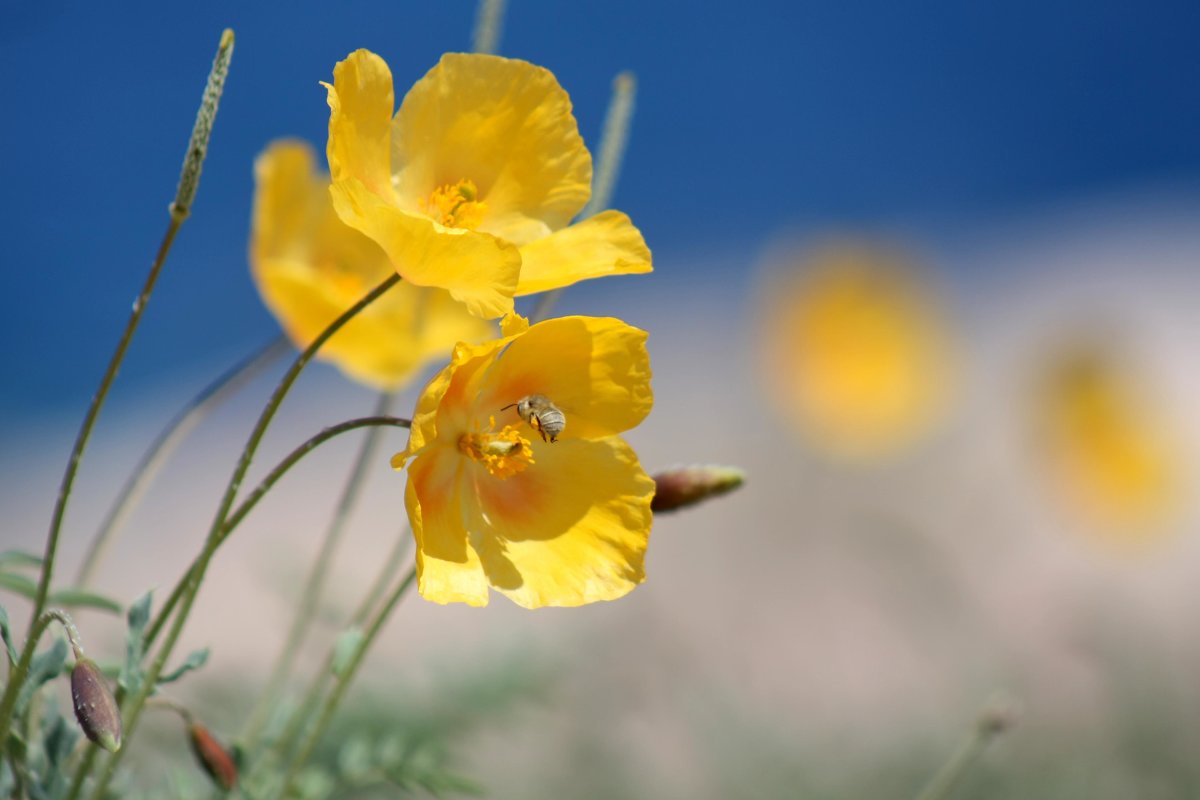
<point x="472" y="185"/>
<point x="491" y="504"/>
<point x="857" y="355"/>
<point x="1109" y="457"/>
<point x="310" y="267"/>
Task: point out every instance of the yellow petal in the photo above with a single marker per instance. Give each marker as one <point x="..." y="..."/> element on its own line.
<point x="595" y="369"/>
<point x="507" y="126"/>
<point x="309" y="268"/>
<point x="477" y="269"/>
<point x="361" y="103"/>
<point x="606" y="244"/>
<point x="448" y="570"/>
<point x="571" y="529"/>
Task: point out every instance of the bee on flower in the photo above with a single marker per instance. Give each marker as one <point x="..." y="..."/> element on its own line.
<point x="472" y="185"/>
<point x="493" y="505"/>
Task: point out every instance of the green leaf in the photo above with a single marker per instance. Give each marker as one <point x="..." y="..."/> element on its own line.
<point x="6" y="635"/>
<point x="195" y="660"/>
<point x="16" y="558"/>
<point x="345" y="649"/>
<point x="46" y="666"/>
<point x="21" y="584"/>
<point x="84" y="599"/>
<point x="138" y="617"/>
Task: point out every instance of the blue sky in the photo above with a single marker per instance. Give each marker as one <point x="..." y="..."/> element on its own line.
<point x="753" y="118"/>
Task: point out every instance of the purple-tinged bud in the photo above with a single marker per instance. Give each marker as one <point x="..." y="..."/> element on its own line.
<point x="95" y="707"/>
<point x="215" y="759"/>
<point x="680" y="487"/>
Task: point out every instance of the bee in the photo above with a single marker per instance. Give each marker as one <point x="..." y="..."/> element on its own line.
<point x="542" y="415"/>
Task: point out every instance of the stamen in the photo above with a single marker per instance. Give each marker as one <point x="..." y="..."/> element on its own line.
<point x="504" y="453"/>
<point x="456" y="205"/>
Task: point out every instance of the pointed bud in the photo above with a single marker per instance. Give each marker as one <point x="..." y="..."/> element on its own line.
<point x="679" y="487"/>
<point x="215" y="759"/>
<point x="95" y="707"/>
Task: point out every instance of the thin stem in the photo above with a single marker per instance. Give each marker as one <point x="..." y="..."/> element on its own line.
<point x="994" y="720"/>
<point x="343" y="682"/>
<point x="314" y="585"/>
<point x="165" y="444"/>
<point x="215" y="534"/>
<point x="617" y="121"/>
<point x="252" y="499"/>
<point x="185" y="194"/>
<point x="489" y="19"/>
<point x="21" y="671"/>
<point x="371" y="598"/>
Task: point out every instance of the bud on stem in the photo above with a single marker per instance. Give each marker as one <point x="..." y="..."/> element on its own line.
<point x="680" y="487"/>
<point x="95" y="707"/>
<point x="214" y="758"/>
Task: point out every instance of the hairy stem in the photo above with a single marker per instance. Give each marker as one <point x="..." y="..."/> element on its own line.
<point x="195" y="576"/>
<point x="314" y="585"/>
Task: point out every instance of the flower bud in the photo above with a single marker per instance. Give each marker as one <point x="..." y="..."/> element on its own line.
<point x="95" y="707"/>
<point x="679" y="487"/>
<point x="214" y="758"/>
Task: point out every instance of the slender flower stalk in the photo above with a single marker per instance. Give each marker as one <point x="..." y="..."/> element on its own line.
<point x="993" y="721"/>
<point x="165" y="444"/>
<point x="489" y="24"/>
<point x="343" y="682"/>
<point x="314" y="585"/>
<point x="617" y="121"/>
<point x="20" y="672"/>
<point x="180" y="208"/>
<point x="195" y="576"/>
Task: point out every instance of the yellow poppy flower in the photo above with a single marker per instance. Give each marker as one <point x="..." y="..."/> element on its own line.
<point x="558" y="523"/>
<point x="309" y="268"/>
<point x="856" y="353"/>
<point x="1109" y="458"/>
<point x="472" y="185"/>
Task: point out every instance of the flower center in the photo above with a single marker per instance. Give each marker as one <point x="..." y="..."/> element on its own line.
<point x="456" y="205"/>
<point x="504" y="453"/>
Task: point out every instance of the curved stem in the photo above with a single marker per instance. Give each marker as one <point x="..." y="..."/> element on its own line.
<point x="991" y="723"/>
<point x="314" y="585"/>
<point x="343" y="682"/>
<point x="160" y="450"/>
<point x="93" y="412"/>
<point x="215" y="536"/>
<point x="21" y="671"/>
<point x="252" y="499"/>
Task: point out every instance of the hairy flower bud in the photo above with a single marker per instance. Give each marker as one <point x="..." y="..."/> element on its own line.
<point x="679" y="487"/>
<point x="95" y="707"/>
<point x="214" y="758"/>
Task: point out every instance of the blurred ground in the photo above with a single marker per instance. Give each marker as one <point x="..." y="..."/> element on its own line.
<point x="828" y="631"/>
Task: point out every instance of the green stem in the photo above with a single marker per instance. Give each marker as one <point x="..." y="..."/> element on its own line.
<point x="185" y="194"/>
<point x="215" y="534"/>
<point x="21" y="671"/>
<point x="167" y="441"/>
<point x="617" y="121"/>
<point x="252" y="500"/>
<point x="991" y="723"/>
<point x="489" y="18"/>
<point x="314" y="584"/>
<point x="343" y="682"/>
<point x="371" y="598"/>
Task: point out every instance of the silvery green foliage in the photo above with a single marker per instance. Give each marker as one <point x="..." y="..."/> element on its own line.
<point x="138" y="617"/>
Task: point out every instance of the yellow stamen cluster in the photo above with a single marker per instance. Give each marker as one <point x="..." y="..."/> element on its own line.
<point x="456" y="205"/>
<point x="504" y="453"/>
